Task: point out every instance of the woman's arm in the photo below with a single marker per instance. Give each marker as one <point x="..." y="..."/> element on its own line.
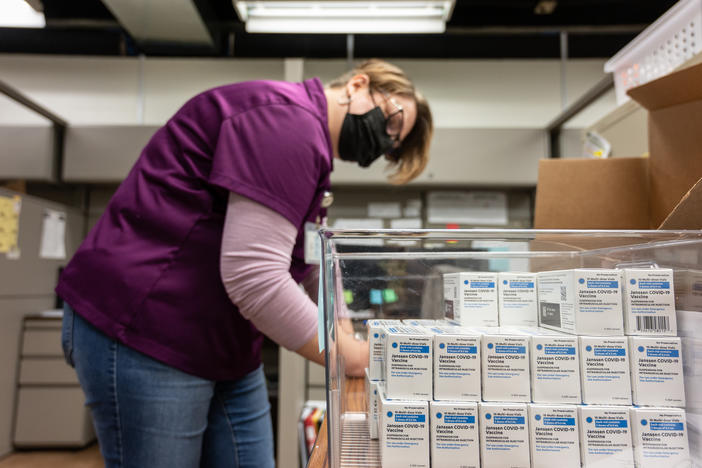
<point x="257" y="246"/>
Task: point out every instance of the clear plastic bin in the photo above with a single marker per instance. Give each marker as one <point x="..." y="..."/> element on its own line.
<point x="398" y="274"/>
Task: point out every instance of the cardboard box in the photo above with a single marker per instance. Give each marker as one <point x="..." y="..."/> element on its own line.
<point x="592" y="194"/>
<point x="635" y="193"/>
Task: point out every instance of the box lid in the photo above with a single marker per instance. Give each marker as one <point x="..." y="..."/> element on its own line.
<point x="674" y="137"/>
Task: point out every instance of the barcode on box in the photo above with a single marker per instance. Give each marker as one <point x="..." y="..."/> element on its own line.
<point x="448" y="309"/>
<point x="652" y="323"/>
<point x="564" y="294"/>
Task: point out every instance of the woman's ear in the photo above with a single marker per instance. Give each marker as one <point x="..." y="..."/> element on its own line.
<point x="357" y="83"/>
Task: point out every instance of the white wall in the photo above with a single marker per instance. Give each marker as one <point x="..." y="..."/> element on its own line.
<point x="107" y="90"/>
<point x="462" y="93"/>
<point x="79" y="89"/>
<point x="510" y="95"/>
<point x="12" y="113"/>
<point x="493" y="93"/>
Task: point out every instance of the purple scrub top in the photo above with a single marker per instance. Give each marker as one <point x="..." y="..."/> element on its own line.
<point x="148" y="273"/>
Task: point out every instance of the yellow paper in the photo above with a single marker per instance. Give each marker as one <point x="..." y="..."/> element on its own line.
<point x="9" y="223"/>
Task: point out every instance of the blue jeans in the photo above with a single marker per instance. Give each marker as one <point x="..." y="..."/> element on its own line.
<point x="148" y="414"/>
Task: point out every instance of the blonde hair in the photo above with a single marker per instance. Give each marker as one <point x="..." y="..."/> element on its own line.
<point x="412" y="156"/>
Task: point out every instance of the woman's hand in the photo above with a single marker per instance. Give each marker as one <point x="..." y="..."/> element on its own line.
<point x="354" y="352"/>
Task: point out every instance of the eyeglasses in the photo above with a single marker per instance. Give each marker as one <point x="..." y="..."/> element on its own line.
<point x="395" y="119"/>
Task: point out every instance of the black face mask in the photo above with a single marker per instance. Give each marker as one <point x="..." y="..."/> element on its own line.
<point x="364" y="138"/>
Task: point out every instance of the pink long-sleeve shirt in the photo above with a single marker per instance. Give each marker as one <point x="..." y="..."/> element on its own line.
<point x="255" y="273"/>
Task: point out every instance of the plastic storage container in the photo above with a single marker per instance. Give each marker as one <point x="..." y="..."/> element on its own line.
<point x="666" y="44"/>
<point x="399" y="275"/>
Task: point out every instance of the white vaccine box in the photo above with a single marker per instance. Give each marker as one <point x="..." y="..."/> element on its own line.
<point x="554" y="436"/>
<point x="657" y="371"/>
<point x="505" y="368"/>
<point x="604" y="370"/>
<point x="649" y="302"/>
<point x="404" y="433"/>
<point x="408" y="363"/>
<point x="555" y="369"/>
<point x="605" y="437"/>
<point x="504" y="435"/>
<point x="376" y="347"/>
<point x="471" y="298"/>
<point x="455" y="439"/>
<point x="517" y="300"/>
<point x="581" y="301"/>
<point x="660" y="438"/>
<point x="373" y="392"/>
<point x="456" y="364"/>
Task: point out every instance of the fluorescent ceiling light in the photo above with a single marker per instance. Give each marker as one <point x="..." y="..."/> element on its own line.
<point x="345" y="17"/>
<point x="18" y="14"/>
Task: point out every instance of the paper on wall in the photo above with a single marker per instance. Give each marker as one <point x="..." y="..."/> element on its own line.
<point x="478" y="207"/>
<point x="10" y="208"/>
<point x="384" y="210"/>
<point x="406" y="223"/>
<point x="53" y="235"/>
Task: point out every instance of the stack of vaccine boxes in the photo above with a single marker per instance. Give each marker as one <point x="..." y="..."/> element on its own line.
<point x="584" y="370"/>
<point x="629" y="354"/>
